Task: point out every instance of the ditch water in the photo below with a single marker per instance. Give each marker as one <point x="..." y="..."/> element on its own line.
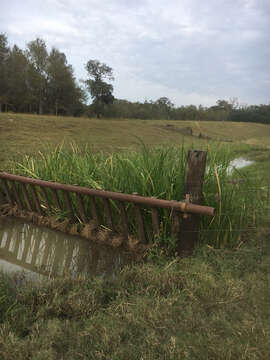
<point x="238" y="163"/>
<point x="40" y="252"/>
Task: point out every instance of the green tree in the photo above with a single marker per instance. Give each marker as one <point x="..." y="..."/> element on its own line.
<point x="164" y="107"/>
<point x="222" y="109"/>
<point x="38" y="58"/>
<point x="224" y="105"/>
<point x="62" y="91"/>
<point x="17" y="74"/>
<point x="4" y="51"/>
<point x="100" y="90"/>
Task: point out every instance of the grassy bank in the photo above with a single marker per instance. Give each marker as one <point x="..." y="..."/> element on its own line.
<point x="214" y="305"/>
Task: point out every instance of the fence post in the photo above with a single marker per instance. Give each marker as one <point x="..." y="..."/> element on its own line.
<point x="189" y="229"/>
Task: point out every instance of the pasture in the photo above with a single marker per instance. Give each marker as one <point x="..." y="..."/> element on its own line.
<point x="27" y="134"/>
<point x="213" y="305"/>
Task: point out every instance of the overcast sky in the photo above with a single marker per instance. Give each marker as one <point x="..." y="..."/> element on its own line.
<point x="192" y="51"/>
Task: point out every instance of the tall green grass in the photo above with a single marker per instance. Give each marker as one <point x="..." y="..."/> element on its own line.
<point x="158" y="172"/>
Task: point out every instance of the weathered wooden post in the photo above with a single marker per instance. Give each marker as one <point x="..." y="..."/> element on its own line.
<point x="189" y="229"/>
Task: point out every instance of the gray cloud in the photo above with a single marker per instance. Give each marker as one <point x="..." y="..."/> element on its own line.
<point x="191" y="51"/>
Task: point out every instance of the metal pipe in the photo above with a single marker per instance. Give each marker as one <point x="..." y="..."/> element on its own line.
<point x="136" y="199"/>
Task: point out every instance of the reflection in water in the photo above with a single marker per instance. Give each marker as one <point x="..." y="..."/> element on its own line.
<point x="48" y="252"/>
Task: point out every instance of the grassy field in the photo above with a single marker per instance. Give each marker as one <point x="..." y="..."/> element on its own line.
<point x="26" y="134"/>
<point x="213" y="305"/>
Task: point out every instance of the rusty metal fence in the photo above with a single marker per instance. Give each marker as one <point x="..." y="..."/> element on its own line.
<point x="43" y="197"/>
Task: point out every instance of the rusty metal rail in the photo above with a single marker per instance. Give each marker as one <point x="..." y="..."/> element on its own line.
<point x="136" y="199"/>
<point x="22" y="191"/>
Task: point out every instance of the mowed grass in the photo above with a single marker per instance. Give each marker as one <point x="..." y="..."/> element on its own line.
<point x="27" y="134"/>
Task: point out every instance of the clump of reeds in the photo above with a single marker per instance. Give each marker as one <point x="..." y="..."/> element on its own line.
<point x="158" y="172"/>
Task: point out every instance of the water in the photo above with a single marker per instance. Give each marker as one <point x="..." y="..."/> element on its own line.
<point x="40" y="252"/>
<point x="238" y="164"/>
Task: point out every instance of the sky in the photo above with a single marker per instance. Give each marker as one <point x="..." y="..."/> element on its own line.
<point x="191" y="51"/>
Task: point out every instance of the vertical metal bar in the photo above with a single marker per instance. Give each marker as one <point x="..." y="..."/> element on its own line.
<point x="94" y="211"/>
<point x="7" y="191"/>
<point x="16" y="195"/>
<point x="124" y="219"/>
<point x="108" y="214"/>
<point x="46" y="198"/>
<point x="69" y="206"/>
<point x="26" y="197"/>
<point x="81" y="208"/>
<point x="155" y="221"/>
<point x="56" y="198"/>
<point x="36" y="199"/>
<point x="141" y="229"/>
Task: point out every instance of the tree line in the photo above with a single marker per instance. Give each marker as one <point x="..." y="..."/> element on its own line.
<point x="36" y="80"/>
<point x="164" y="109"/>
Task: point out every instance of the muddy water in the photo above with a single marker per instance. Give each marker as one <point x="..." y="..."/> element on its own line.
<point x="238" y="163"/>
<point x="39" y="252"/>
